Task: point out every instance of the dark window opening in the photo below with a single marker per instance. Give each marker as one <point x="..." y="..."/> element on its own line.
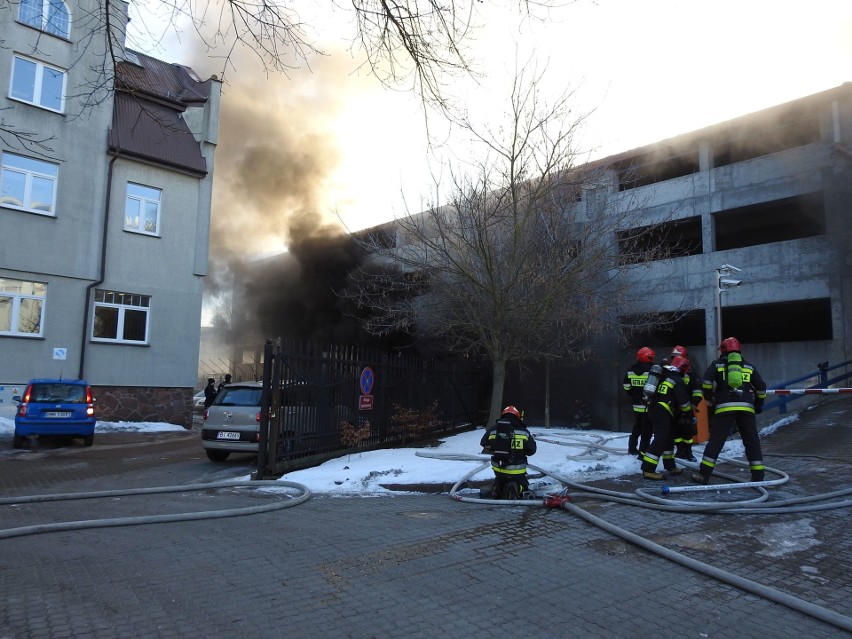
<point x="679" y="238"/>
<point x="790" y="218"/>
<point x="383" y="236"/>
<point x="799" y="321"/>
<point x="685" y="328"/>
<point x="750" y="140"/>
<point x="650" y="169"/>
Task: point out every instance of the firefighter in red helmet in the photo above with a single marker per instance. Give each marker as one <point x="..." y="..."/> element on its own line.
<point x="685" y="428"/>
<point x="633" y="383"/>
<point x="736" y="392"/>
<point x="510" y="443"/>
<point x="669" y="403"/>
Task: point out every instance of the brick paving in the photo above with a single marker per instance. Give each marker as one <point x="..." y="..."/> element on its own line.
<point x="410" y="565"/>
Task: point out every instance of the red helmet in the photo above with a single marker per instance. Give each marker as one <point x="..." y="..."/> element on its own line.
<point x="729" y="345"/>
<point x="511" y="410"/>
<point x="680" y="350"/>
<point x="645" y="354"/>
<point x="679" y="363"/>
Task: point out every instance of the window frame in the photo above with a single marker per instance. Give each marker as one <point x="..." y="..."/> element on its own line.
<point x="109" y="299"/>
<point x="29" y="176"/>
<point x="36" y="99"/>
<point x="44" y="19"/>
<point x="142" y="200"/>
<point x="17" y="298"/>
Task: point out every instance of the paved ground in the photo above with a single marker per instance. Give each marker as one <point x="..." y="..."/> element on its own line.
<point x="411" y="565"/>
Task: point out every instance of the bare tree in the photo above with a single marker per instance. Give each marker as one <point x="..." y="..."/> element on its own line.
<point x="524" y="261"/>
<point x="416" y="42"/>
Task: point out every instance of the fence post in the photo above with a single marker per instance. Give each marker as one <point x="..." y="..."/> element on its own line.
<point x="263" y="426"/>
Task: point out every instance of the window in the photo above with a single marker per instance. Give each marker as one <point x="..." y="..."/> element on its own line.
<point x="28" y="184"/>
<point x="47" y="15"/>
<point x="781" y="220"/>
<point x="38" y="84"/>
<point x="796" y="321"/>
<point x="142" y="209"/>
<point x="676" y="238"/>
<point x="121" y="317"/>
<point x="21" y="307"/>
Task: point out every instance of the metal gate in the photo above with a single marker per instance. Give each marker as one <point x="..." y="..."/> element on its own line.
<point x="320" y="401"/>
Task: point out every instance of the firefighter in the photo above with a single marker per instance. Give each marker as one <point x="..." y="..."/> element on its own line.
<point x="736" y="392"/>
<point x="669" y="402"/>
<point x="509" y="443"/>
<point x="634" y="381"/>
<point x="685" y="428"/>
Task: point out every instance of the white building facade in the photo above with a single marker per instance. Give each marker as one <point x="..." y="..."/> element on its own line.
<point x="105" y="195"/>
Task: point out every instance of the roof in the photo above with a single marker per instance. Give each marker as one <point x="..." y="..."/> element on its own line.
<point x="147" y="121"/>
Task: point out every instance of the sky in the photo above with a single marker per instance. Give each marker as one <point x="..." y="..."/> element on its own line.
<point x="352" y="151"/>
<point x="325" y="148"/>
<point x="576" y="455"/>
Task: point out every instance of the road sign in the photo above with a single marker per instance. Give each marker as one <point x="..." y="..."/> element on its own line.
<point x="365" y="402"/>
<point x="366" y="381"/>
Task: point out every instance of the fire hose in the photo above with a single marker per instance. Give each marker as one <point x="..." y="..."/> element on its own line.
<point x="563" y="500"/>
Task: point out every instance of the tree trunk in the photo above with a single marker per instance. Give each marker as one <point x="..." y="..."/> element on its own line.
<point x="498" y="381"/>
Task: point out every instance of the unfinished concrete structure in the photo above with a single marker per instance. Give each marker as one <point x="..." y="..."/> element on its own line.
<point x="756" y="216"/>
<point x="771" y="195"/>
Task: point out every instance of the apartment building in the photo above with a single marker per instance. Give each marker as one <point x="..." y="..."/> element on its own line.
<point x="105" y="196"/>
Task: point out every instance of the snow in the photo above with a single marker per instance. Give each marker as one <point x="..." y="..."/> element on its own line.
<point x="576" y="455"/>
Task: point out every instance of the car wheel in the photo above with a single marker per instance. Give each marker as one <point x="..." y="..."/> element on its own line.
<point x="217" y="455"/>
<point x="88" y="440"/>
<point x="18" y="441"/>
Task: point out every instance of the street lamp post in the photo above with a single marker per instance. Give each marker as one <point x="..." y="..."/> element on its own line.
<point x="724" y="282"/>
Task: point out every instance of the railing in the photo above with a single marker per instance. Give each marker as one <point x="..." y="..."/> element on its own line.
<point x="786" y="395"/>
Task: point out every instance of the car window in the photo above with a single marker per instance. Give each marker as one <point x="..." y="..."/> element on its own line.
<point x="238" y="397"/>
<point x="59" y="393"/>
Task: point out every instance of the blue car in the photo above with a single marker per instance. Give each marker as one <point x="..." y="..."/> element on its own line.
<point x="55" y="407"/>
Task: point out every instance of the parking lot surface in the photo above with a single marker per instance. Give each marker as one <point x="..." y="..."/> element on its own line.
<point x="409" y="565"/>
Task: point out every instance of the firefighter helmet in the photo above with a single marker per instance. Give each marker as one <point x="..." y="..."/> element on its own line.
<point x="645" y="354"/>
<point x="511" y="410"/>
<point x="680" y="350"/>
<point x="729" y="345"/>
<point x="680" y="364"/>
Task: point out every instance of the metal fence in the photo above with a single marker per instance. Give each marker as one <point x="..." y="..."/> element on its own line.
<point x="817" y="382"/>
<point x="321" y="401"/>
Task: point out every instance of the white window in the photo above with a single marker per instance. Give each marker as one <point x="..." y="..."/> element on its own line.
<point x="28" y="184"/>
<point x="38" y="83"/>
<point x="21" y="307"/>
<point x="142" y="209"/>
<point x="121" y="317"/>
<point x="48" y="15"/>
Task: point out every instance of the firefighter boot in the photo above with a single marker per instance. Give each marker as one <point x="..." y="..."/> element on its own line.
<point x="702" y="476"/>
<point x="757" y="475"/>
<point x="687" y="452"/>
<point x="679" y="448"/>
<point x="650" y="472"/>
<point x="675" y="470"/>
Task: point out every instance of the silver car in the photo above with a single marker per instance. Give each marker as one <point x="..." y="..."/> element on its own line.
<point x="231" y="422"/>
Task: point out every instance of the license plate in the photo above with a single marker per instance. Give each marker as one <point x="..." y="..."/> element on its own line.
<point x="224" y="434"/>
<point x="57" y="413"/>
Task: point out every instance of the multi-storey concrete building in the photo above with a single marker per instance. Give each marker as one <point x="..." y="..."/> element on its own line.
<point x="755" y="216"/>
<point x="105" y="196"/>
<point x="771" y="195"/>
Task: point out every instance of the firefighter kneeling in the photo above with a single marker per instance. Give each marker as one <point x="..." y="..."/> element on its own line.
<point x="510" y="443"/>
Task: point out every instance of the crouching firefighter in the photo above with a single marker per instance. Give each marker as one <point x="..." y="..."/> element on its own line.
<point x="510" y="443"/>
<point x="667" y="405"/>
